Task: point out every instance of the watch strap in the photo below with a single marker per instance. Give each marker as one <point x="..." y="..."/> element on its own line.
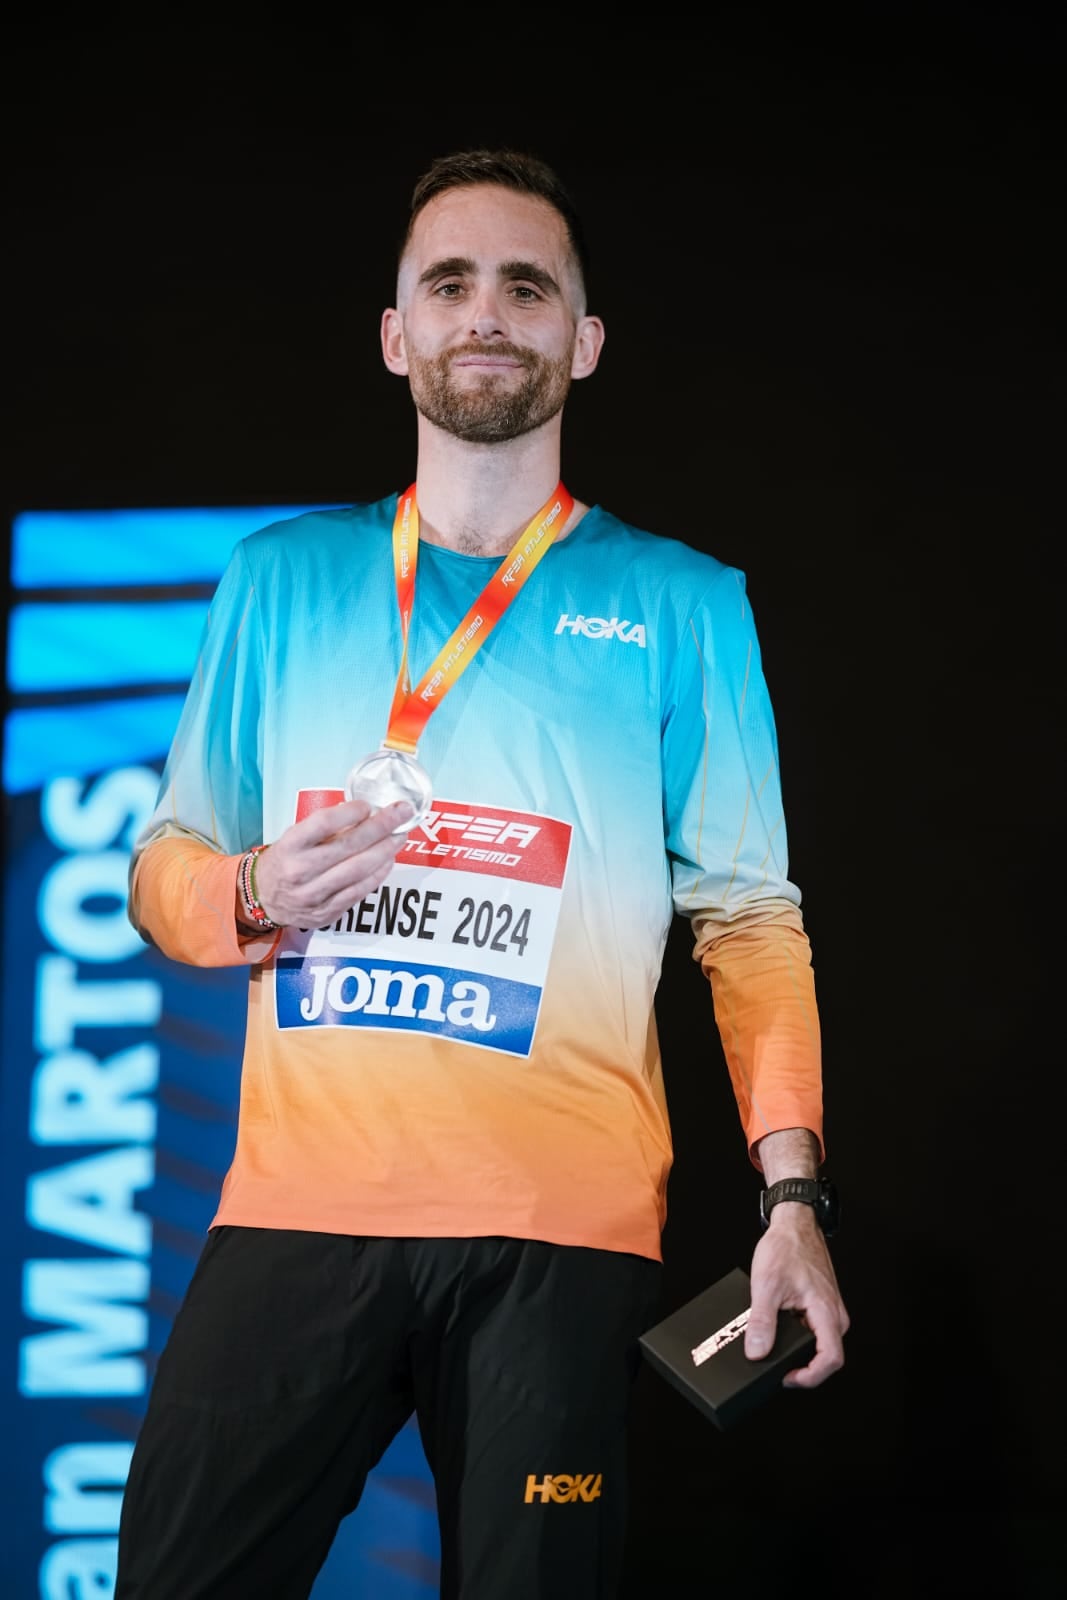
<point x="819" y="1193"/>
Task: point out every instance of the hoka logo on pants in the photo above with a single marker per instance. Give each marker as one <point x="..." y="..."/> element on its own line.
<point x="603" y="628"/>
<point x="563" y="1487"/>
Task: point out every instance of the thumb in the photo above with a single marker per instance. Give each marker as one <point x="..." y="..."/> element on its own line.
<point x="759" y="1334"/>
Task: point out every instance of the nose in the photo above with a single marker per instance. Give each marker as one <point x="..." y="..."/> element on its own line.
<point x="487" y="314"/>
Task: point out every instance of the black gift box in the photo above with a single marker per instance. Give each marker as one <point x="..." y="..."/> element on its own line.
<point x="700" y="1349"/>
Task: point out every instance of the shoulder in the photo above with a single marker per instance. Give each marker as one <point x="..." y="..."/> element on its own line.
<point x="310" y="533"/>
<point x="661" y="559"/>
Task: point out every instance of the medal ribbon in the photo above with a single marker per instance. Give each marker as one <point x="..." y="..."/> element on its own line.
<point x="412" y="708"/>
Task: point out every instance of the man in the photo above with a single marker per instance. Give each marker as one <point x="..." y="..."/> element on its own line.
<point x="448" y="1188"/>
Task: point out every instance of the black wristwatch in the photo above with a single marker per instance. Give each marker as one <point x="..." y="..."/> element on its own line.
<point x="819" y="1193"/>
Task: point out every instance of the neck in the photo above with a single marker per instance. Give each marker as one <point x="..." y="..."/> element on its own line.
<point x="477" y="499"/>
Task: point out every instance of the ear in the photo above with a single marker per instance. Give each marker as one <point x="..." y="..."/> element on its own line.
<point x="393" y="353"/>
<point x="588" y="343"/>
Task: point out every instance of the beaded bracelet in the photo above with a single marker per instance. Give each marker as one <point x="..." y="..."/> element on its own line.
<point x="246" y="876"/>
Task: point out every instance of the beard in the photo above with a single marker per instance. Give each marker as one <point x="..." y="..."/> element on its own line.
<point x="491" y="411"/>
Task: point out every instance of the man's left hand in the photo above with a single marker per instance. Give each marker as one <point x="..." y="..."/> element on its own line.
<point x="792" y="1271"/>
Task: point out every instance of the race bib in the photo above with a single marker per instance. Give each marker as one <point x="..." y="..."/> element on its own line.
<point x="456" y="942"/>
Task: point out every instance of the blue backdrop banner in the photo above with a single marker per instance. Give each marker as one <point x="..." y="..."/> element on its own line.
<point x="119" y="1073"/>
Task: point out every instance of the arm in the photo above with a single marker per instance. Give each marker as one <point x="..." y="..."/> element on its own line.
<point x="727" y="837"/>
<point x="182" y="899"/>
<point x="186" y="900"/>
<point x="184" y="895"/>
<point x="208" y="812"/>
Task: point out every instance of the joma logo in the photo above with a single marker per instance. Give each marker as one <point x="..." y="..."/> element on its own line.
<point x="392" y="992"/>
<point x="603" y="628"/>
<point x="563" y="1487"/>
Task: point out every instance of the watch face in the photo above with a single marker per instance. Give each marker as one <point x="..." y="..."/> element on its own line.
<point x="828" y="1207"/>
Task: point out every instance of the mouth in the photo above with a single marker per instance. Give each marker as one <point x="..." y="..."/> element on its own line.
<point x="494" y="363"/>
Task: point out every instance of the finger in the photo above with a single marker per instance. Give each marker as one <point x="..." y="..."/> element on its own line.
<point x="818" y="1369"/>
<point x="337" y="887"/>
<point x="399" y="812"/>
<point x="359" y="875"/>
<point x="829" y="1353"/>
<point x="375" y="824"/>
<point x="329" y="820"/>
<point x="760" y="1332"/>
<point x="362" y="832"/>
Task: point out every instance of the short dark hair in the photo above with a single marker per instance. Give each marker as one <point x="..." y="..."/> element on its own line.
<point x="513" y="169"/>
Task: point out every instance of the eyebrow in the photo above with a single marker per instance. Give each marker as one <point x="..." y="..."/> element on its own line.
<point x="464" y="266"/>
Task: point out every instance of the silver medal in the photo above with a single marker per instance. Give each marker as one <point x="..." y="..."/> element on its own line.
<point x="387" y="775"/>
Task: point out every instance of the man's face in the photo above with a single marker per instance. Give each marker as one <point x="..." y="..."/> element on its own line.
<point x="486" y="326"/>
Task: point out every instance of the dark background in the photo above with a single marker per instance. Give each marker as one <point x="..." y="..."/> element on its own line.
<point x="828" y="252"/>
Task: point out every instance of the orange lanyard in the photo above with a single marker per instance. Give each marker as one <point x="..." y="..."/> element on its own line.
<point x="412" y="708"/>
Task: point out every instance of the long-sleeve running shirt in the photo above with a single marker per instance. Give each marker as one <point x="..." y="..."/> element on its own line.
<point x="472" y="1049"/>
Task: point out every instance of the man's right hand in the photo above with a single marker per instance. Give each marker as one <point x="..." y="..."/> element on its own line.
<point x="328" y="861"/>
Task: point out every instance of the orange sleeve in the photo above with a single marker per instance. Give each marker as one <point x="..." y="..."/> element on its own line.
<point x="763" y="990"/>
<point x="181" y="900"/>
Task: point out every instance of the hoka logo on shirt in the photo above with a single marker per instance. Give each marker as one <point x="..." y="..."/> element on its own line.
<point x="563" y="1487"/>
<point x="620" y="628"/>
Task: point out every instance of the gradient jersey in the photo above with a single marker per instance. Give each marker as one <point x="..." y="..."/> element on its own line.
<point x="472" y="1049"/>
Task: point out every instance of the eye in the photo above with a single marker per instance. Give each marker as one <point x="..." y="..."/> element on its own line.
<point x="526" y="293"/>
<point x="450" y="290"/>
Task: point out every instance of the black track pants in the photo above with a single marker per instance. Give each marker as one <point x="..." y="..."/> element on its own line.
<point x="296" y="1358"/>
